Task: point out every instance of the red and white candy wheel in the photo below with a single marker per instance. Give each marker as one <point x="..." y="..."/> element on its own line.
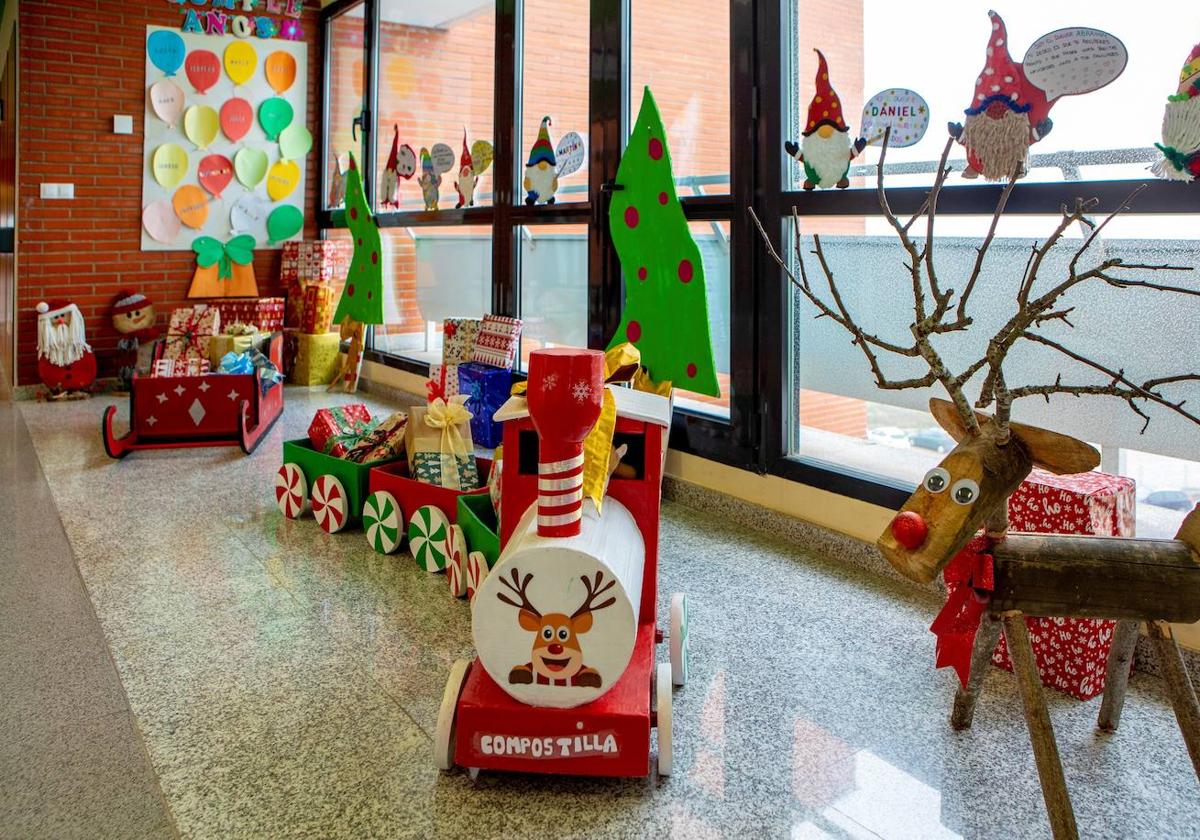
<point x="456" y="563"/>
<point x="329" y="503"/>
<point x="291" y="491"/>
<point x="477" y="571"/>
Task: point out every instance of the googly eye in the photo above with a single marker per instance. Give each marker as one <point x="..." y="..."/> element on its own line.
<point x="936" y="480"/>
<point x="563" y="634"/>
<point x="965" y="491"/>
<point x="547" y="633"/>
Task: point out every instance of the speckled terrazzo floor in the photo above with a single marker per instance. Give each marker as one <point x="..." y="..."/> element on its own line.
<point x="285" y="682"/>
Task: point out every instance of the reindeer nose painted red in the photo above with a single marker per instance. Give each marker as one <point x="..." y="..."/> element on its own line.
<point x="555" y="649"/>
<point x="910" y="529"/>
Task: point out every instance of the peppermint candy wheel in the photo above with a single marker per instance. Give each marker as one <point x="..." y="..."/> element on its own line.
<point x="456" y="565"/>
<point x="428" y="535"/>
<point x="383" y="521"/>
<point x="477" y="571"/>
<point x="291" y="490"/>
<point x="329" y="503"/>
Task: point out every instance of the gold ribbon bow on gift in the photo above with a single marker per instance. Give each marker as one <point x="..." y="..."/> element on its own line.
<point x="448" y="415"/>
<point x="622" y="363"/>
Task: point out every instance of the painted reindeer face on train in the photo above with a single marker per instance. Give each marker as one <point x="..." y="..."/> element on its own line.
<point x="957" y="496"/>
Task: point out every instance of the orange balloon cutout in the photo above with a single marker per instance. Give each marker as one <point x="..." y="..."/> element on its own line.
<point x="280" y="68"/>
<point x="191" y="206"/>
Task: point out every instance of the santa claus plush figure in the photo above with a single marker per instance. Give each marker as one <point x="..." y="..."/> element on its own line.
<point x="825" y="148"/>
<point x="1007" y="115"/>
<point x="66" y="364"/>
<point x="133" y="317"/>
<point x="1180" y="144"/>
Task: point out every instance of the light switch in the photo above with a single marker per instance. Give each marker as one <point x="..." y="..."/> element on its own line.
<point x="122" y="124"/>
<point x="49" y="190"/>
<point x="66" y="190"/>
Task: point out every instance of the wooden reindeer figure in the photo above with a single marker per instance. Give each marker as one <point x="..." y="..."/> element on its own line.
<point x="957" y="519"/>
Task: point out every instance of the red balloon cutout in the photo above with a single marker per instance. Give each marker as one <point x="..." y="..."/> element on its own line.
<point x="214" y="173"/>
<point x="203" y="69"/>
<point x="237" y="115"/>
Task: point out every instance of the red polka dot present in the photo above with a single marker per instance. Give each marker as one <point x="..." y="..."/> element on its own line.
<point x="496" y="343"/>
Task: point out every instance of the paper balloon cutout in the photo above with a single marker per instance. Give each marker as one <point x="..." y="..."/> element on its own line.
<point x="160" y="221"/>
<point x="203" y="69"/>
<point x="284" y="222"/>
<point x="274" y="115"/>
<point x="191" y="205"/>
<point x="406" y="161"/>
<point x="282" y="179"/>
<point x="570" y="153"/>
<point x="240" y="61"/>
<point x="443" y="158"/>
<point x="247" y="213"/>
<point x="166" y="100"/>
<point x="482" y="155"/>
<point x="250" y="166"/>
<point x="237" y="115"/>
<point x="214" y="174"/>
<point x="166" y="50"/>
<point x="1074" y="60"/>
<point x="294" y="142"/>
<point x="169" y="164"/>
<point x="280" y="68"/>
<point x="200" y="125"/>
<point x="904" y="111"/>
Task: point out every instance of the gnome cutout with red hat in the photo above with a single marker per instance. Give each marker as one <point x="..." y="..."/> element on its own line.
<point x="471" y="166"/>
<point x="825" y="148"/>
<point x="401" y="163"/>
<point x="1007" y="115"/>
<point x="66" y="364"/>
<point x="1180" y="144"/>
<point x="133" y="316"/>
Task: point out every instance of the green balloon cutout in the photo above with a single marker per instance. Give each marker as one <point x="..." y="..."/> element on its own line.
<point x="250" y="166"/>
<point x="294" y="142"/>
<point x="284" y="222"/>
<point x="274" y="115"/>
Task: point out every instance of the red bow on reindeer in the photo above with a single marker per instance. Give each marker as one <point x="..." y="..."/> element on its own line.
<point x="969" y="583"/>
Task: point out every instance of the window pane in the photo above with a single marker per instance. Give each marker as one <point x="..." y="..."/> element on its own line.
<point x="433" y="273"/>
<point x="344" y="91"/>
<point x="554" y="291"/>
<point x="681" y="50"/>
<point x="713" y="239"/>
<point x="436" y="77"/>
<point x="554" y="83"/>
<point x="860" y="40"/>
<point x="1167" y="489"/>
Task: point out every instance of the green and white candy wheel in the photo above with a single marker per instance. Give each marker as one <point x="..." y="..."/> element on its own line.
<point x="383" y="521"/>
<point x="428" y="538"/>
<point x="679" y="639"/>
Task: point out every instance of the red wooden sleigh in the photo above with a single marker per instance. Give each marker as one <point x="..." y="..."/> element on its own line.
<point x="172" y="412"/>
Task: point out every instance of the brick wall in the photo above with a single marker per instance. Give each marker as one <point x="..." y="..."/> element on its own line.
<point x="81" y="61"/>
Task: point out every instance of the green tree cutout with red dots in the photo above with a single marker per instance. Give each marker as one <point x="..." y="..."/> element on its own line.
<point x="666" y="304"/>
<point x="362" y="297"/>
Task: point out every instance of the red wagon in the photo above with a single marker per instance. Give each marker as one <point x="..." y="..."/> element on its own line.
<point x="170" y="412"/>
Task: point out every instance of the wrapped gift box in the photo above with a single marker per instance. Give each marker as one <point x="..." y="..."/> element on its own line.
<point x="315" y="361"/>
<point x="316" y="309"/>
<point x="458" y="339"/>
<point x="265" y="313"/>
<point x="383" y="443"/>
<point x="443" y="382"/>
<point x="219" y="345"/>
<point x="1071" y="653"/>
<point x="487" y="388"/>
<point x="335" y="431"/>
<point x="180" y="367"/>
<point x="441" y="455"/>
<point x="189" y="331"/>
<point x="323" y="263"/>
<point x="496" y="343"/>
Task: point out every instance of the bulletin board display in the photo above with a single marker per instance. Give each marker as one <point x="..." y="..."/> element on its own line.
<point x="226" y="139"/>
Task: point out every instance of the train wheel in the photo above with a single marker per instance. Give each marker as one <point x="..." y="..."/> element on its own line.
<point x="662" y="698"/>
<point x="329" y="503"/>
<point x="679" y="639"/>
<point x="428" y="533"/>
<point x="383" y="521"/>
<point x="477" y="572"/>
<point x="291" y="491"/>
<point x="456" y="565"/>
<point x="443" y="735"/>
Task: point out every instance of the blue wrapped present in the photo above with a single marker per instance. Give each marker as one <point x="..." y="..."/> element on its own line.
<point x="487" y="388"/>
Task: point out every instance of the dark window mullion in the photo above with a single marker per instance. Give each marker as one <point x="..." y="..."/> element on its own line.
<point x="507" y="120"/>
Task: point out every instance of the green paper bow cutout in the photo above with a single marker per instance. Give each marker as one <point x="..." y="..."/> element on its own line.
<point x="211" y="252"/>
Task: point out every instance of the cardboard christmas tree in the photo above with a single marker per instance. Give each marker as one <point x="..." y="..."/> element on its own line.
<point x="666" y="305"/>
<point x="362" y="298"/>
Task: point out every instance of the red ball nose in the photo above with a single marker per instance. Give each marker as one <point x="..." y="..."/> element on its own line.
<point x="909" y="529"/>
<point x="555" y="649"/>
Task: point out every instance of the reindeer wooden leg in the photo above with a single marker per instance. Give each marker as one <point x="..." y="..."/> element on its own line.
<point x="1179" y="687"/>
<point x="1116" y="677"/>
<point x="981" y="660"/>
<point x="1041" y="733"/>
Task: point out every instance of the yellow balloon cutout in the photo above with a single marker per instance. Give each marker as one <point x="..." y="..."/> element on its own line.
<point x="240" y="61"/>
<point x="282" y="179"/>
<point x="169" y="164"/>
<point x="201" y="124"/>
<point x="280" y="68"/>
<point x="191" y="206"/>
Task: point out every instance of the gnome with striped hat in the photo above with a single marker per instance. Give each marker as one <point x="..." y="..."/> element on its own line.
<point x="825" y="148"/>
<point x="1180" y="144"/>
<point x="430" y="180"/>
<point x="541" y="172"/>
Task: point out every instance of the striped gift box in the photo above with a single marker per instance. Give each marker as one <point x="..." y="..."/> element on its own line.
<point x="496" y="343"/>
